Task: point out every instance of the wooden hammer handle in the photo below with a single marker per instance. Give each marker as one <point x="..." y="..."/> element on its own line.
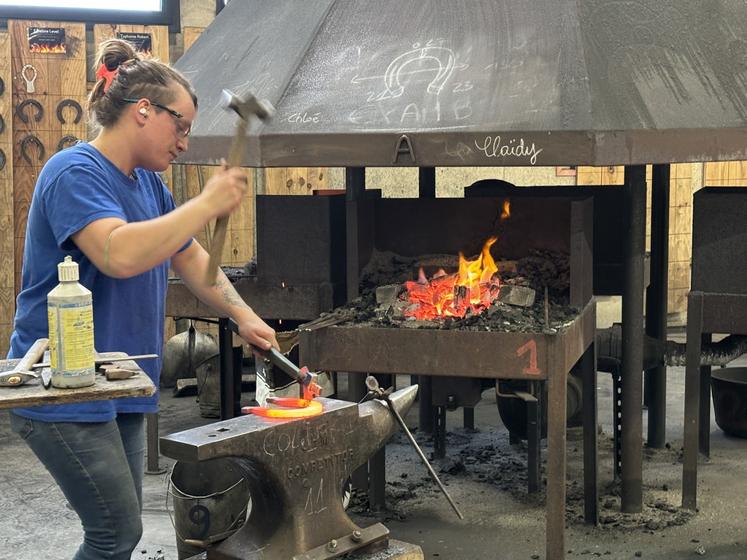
<point x="33" y="355"/>
<point x="218" y="239"/>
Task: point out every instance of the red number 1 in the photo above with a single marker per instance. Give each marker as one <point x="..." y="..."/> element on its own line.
<point x="530" y="347"/>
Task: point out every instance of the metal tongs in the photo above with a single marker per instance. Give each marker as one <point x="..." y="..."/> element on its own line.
<point x="378" y="393"/>
<point x="303" y="376"/>
<point x="307" y="380"/>
<point x="304" y="407"/>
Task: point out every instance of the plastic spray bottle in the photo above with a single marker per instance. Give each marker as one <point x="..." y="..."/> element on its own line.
<point x="70" y="315"/>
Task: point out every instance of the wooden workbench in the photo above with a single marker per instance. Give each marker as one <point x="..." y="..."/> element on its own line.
<point x="34" y="394"/>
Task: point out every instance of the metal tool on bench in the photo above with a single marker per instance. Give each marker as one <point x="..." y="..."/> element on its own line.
<point x="46" y="375"/>
<point x="295" y="471"/>
<point x="22" y="371"/>
<point x="378" y="393"/>
<point x="101" y="361"/>
<point x="245" y="107"/>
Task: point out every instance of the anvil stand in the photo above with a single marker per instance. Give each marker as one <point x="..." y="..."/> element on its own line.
<point x="532" y="356"/>
<point x="294" y="470"/>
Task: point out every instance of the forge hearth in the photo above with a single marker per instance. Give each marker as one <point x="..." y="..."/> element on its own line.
<point x="449" y="352"/>
<point x="541" y="257"/>
<point x="530" y="295"/>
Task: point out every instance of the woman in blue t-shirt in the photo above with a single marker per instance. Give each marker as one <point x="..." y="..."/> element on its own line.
<point x="104" y="204"/>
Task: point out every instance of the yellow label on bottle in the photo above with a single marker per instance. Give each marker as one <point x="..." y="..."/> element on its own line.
<point x="52" y="320"/>
<point x="74" y="329"/>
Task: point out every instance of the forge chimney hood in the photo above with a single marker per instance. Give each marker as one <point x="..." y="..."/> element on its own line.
<point x="475" y="82"/>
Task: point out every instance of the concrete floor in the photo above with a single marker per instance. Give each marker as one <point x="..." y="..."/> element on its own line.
<point x="502" y="522"/>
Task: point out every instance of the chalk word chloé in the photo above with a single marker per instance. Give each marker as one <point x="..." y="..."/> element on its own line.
<point x="304" y="118"/>
<point x="494" y="147"/>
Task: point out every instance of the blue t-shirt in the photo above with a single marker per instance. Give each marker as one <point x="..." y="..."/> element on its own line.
<point x="76" y="187"/>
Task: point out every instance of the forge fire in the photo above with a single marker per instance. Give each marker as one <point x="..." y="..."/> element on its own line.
<point x="530" y="294"/>
<point x="472" y="288"/>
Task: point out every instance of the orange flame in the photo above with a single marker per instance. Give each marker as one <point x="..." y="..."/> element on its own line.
<point x="46" y="49"/>
<point x="506" y="209"/>
<point x="473" y="287"/>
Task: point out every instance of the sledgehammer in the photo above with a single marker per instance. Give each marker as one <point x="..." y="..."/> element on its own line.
<point x="244" y="107"/>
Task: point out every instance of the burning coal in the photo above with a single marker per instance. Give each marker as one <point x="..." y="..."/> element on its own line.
<point x="473" y="288"/>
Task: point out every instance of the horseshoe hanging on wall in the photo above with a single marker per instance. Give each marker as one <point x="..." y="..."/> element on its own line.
<point x="66" y="142"/>
<point x="22" y="106"/>
<point x="2" y="159"/>
<point x="28" y="140"/>
<point x="2" y="87"/>
<point x="69" y="103"/>
<point x="2" y="124"/>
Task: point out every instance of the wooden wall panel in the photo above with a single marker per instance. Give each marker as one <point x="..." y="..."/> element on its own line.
<point x="725" y="174"/>
<point x="7" y="218"/>
<point x="7" y="300"/>
<point x="190" y="35"/>
<point x="59" y="76"/>
<point x="6" y="329"/>
<point x="239" y="244"/>
<point x="608" y="175"/>
<point x="295" y="180"/>
<point x="680" y="238"/>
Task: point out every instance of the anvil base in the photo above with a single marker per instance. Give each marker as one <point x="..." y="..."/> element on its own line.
<point x="397" y="550"/>
<point x="295" y="471"/>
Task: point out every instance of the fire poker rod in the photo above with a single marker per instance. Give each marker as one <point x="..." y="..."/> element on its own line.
<point x="379" y="393"/>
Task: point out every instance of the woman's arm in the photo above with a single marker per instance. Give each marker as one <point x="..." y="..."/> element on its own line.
<point x="122" y="250"/>
<point x="191" y="265"/>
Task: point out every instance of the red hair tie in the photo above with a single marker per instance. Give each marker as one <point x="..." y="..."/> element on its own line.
<point x="108" y="75"/>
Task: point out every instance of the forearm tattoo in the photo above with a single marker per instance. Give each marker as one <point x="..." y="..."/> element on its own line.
<point x="229" y="293"/>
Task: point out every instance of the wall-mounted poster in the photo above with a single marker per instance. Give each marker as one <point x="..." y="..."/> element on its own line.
<point x="142" y="42"/>
<point x="47" y="40"/>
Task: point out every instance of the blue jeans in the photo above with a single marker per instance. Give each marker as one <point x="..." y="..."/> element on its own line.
<point x="99" y="468"/>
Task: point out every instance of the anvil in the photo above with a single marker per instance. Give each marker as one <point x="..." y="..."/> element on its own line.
<point x="298" y="468"/>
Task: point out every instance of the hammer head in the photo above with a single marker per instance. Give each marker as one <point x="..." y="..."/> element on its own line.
<point x="247" y="105"/>
<point x="15" y="378"/>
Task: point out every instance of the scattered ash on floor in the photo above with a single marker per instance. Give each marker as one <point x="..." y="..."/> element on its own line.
<point x="537" y="271"/>
<point x="488" y="458"/>
<point x="658" y="512"/>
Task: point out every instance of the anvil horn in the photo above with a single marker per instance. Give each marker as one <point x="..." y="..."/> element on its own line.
<point x="382" y="422"/>
<point x="295" y="470"/>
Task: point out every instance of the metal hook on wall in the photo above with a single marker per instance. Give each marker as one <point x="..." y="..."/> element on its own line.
<point x="30" y="78"/>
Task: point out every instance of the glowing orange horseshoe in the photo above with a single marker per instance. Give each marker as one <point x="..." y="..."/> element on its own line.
<point x="296" y="408"/>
